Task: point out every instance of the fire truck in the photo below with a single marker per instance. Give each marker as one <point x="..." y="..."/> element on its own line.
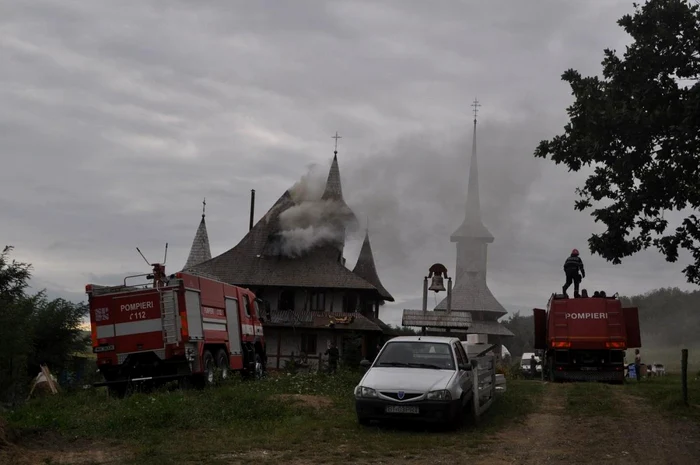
<point x="178" y="327"/>
<point x="585" y="339"/>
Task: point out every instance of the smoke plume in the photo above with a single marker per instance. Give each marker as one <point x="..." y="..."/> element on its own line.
<point x="312" y="221"/>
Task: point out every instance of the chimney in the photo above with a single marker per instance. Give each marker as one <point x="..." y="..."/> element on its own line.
<point x="252" y="208"/>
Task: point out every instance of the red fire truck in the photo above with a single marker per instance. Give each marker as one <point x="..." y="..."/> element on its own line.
<point x="586" y="338"/>
<point x="177" y="327"/>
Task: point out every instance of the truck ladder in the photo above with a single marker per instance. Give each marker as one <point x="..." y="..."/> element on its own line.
<point x="169" y="314"/>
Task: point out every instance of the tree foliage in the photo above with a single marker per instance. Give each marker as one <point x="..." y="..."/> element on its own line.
<point x="523" y="329"/>
<point x="639" y="128"/>
<point x="33" y="330"/>
<point x="668" y="317"/>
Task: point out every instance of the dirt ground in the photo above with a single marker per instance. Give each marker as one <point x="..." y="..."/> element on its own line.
<point x="639" y="434"/>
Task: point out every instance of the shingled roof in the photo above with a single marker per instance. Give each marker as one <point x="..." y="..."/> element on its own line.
<point x="200" y="251"/>
<point x="366" y="269"/>
<point x="472" y="227"/>
<point x="334" y="190"/>
<point x="255" y="260"/>
<point x="471" y="293"/>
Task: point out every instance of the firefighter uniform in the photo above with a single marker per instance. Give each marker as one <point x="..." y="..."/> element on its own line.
<point x="572" y="266"/>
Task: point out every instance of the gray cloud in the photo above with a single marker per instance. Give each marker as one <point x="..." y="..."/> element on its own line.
<point x="116" y="120"/>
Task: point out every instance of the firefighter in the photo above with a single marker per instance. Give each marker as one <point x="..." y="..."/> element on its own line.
<point x="572" y="266"/>
<point x="333" y="356"/>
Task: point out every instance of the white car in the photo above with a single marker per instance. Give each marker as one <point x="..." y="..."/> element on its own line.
<point x="417" y="378"/>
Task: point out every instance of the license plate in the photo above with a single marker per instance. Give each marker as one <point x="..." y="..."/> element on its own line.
<point x="401" y="409"/>
<point x="103" y="349"/>
<point x="589" y="368"/>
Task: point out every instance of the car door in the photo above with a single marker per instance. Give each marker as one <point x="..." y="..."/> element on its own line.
<point x="464" y="372"/>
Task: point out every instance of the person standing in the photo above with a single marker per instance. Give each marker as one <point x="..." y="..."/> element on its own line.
<point x="333" y="356"/>
<point x="572" y="266"/>
<point x="637" y="364"/>
<point x="533" y="366"/>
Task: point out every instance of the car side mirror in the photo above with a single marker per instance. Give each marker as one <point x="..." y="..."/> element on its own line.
<point x="474" y="363"/>
<point x="364" y="363"/>
<point x="464" y="367"/>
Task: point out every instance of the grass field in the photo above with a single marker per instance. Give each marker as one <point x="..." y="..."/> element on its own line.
<point x="241" y="418"/>
<point x="311" y="419"/>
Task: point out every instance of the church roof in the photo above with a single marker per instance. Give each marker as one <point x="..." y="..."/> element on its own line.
<point x="472" y="226"/>
<point x="200" y="251"/>
<point x="262" y="257"/>
<point x="334" y="191"/>
<point x="471" y="293"/>
<point x="256" y="260"/>
<point x="366" y="269"/>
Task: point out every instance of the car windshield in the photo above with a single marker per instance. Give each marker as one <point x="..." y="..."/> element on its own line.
<point x="415" y="354"/>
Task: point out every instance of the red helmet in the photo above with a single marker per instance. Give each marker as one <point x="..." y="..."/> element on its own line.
<point x="574" y="252"/>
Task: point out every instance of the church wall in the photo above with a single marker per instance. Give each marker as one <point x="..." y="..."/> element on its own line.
<point x="471" y="256"/>
<point x="282" y="343"/>
<point x="334" y="299"/>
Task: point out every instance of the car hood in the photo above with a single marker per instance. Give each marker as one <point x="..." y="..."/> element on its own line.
<point x="407" y="379"/>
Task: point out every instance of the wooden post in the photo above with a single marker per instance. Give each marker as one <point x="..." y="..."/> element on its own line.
<point x="684" y="374"/>
<point x="279" y="347"/>
<point x="475" y="395"/>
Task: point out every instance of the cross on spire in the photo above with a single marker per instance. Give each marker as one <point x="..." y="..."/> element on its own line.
<point x="336" y="137"/>
<point x="476" y="106"/>
<point x="204" y="207"/>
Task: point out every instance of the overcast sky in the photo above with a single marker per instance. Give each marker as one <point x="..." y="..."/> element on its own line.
<point x="117" y="118"/>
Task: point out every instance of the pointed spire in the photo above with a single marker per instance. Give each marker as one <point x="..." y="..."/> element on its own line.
<point x="334" y="190"/>
<point x="473" y="227"/>
<point x="200" y="251"/>
<point x="366" y="269"/>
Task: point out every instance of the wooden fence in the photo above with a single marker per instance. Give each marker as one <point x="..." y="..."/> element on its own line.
<point x="484" y="379"/>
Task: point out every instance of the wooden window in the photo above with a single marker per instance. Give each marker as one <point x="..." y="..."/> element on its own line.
<point x="350" y="302"/>
<point x="308" y="343"/>
<point x="286" y="301"/>
<point x="317" y="302"/>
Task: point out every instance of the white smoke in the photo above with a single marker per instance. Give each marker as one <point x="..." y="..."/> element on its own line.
<point x="311" y="185"/>
<point x="296" y="242"/>
<point x="312" y="222"/>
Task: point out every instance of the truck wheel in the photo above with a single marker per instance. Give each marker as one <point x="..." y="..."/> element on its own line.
<point x="208" y="362"/>
<point x="222" y="364"/>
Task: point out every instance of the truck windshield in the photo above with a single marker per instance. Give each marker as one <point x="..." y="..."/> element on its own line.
<point x="417" y="355"/>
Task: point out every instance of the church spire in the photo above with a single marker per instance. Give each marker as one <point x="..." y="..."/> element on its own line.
<point x="200" y="251"/>
<point x="473" y="227"/>
<point x="334" y="190"/>
<point x="366" y="269"/>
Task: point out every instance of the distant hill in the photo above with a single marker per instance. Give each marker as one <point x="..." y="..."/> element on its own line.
<point x="668" y="317"/>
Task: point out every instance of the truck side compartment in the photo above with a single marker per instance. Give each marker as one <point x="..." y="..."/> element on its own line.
<point x="180" y="327"/>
